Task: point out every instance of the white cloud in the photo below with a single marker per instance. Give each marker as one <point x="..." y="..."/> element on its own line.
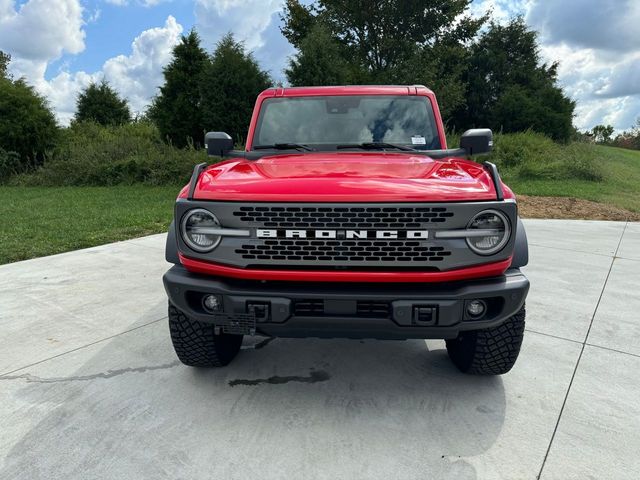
<point x="145" y="3"/>
<point x="599" y="24"/>
<point x="135" y="76"/>
<point x="248" y="19"/>
<point x="40" y="31"/>
<point x="502" y="10"/>
<point x="597" y="43"/>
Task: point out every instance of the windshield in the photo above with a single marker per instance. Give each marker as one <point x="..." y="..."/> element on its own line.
<point x="325" y="122"/>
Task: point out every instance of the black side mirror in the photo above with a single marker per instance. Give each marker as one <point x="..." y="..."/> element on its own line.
<point x="218" y="144"/>
<point x="477" y="141"/>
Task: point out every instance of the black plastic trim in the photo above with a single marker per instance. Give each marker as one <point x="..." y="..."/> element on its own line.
<point x="197" y="170"/>
<point x="171" y="247"/>
<point x="495" y="176"/>
<point x="508" y="292"/>
<point x="521" y="247"/>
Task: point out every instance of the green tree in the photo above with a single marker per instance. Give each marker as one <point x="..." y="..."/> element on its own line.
<point x="177" y="109"/>
<point x="101" y="104"/>
<point x="629" y="139"/>
<point x="602" y="133"/>
<point x="229" y="87"/>
<point x="319" y="61"/>
<point x="510" y="89"/>
<point x="28" y="128"/>
<point x="5" y="58"/>
<point x="391" y="41"/>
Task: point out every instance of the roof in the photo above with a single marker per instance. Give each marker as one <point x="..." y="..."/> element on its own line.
<point x="348" y="90"/>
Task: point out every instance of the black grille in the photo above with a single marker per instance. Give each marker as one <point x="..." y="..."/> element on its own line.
<point x="342" y="217"/>
<point x="364" y="308"/>
<point x="343" y="250"/>
<point x="306" y="308"/>
<point x="374" y="309"/>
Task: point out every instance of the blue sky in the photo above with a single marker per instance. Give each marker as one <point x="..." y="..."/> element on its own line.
<point x="60" y="46"/>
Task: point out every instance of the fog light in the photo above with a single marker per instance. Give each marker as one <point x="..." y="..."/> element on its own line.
<point x="476" y="308"/>
<point x="212" y="303"/>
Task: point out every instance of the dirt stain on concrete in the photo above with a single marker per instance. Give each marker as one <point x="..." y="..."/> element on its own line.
<point x="314" y="377"/>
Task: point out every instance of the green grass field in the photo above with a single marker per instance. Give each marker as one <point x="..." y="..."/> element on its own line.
<point x="620" y="185"/>
<point x="40" y="221"/>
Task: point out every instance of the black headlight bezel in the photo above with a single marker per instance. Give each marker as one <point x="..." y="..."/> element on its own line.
<point x="185" y="237"/>
<point x="503" y="242"/>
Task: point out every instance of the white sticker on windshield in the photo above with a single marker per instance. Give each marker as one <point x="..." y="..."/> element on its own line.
<point x="418" y="140"/>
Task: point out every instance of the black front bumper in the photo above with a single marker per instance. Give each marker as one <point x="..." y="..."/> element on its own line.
<point x="385" y="311"/>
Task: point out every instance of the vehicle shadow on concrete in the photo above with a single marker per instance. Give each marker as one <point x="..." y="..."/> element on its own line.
<point x="284" y="409"/>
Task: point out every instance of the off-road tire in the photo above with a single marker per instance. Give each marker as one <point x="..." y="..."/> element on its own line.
<point x="492" y="351"/>
<point x="196" y="343"/>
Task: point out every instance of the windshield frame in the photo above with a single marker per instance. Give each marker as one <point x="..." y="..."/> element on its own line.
<point x="428" y="96"/>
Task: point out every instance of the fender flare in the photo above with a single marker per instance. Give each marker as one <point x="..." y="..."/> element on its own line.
<point x="171" y="249"/>
<point x="521" y="247"/>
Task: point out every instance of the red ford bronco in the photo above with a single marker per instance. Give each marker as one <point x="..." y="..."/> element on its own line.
<point x="347" y="216"/>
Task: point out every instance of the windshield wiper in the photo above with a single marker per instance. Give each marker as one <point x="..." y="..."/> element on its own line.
<point x="376" y="146"/>
<point x="284" y="146"/>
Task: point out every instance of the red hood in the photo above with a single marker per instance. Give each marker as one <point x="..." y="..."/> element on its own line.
<point x="346" y="176"/>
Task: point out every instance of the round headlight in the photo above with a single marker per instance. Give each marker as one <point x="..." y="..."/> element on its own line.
<point x="492" y="234"/>
<point x="197" y="226"/>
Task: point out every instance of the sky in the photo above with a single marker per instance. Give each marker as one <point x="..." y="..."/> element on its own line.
<point x="60" y="46"/>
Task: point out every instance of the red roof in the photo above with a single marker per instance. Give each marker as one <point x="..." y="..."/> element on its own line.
<point x="347" y="90"/>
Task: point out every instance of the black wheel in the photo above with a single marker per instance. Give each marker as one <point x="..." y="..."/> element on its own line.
<point x="196" y="343"/>
<point x="492" y="351"/>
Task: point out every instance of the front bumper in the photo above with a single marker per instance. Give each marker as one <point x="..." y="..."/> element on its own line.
<point x="384" y="311"/>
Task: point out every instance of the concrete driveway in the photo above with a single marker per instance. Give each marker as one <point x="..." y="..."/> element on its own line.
<point x="90" y="387"/>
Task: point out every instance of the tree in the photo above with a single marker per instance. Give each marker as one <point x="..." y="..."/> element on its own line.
<point x="177" y="109"/>
<point x="602" y="133"/>
<point x="319" y="61"/>
<point x="28" y="128"/>
<point x="5" y="58"/>
<point x="510" y="89"/>
<point x="629" y="139"/>
<point x="390" y="41"/>
<point x="229" y="87"/>
<point x="101" y="104"/>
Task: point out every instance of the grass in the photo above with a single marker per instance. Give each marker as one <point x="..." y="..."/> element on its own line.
<point x="40" y="221"/>
<point x="620" y="184"/>
<point x="532" y="164"/>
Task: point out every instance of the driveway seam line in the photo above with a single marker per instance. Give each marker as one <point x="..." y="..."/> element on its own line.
<point x="612" y="350"/>
<point x="572" y="250"/>
<point x="133" y="242"/>
<point x="575" y="369"/>
<point x="629" y="259"/>
<point x="553" y="336"/>
<point x="82" y="347"/>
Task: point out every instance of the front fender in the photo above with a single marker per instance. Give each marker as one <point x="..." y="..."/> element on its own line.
<point x="171" y="248"/>
<point x="521" y="248"/>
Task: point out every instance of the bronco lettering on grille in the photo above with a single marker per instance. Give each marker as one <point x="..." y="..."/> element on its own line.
<point x="344" y="234"/>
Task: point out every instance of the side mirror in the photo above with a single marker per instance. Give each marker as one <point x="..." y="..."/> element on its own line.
<point x="477" y="141"/>
<point x="218" y="144"/>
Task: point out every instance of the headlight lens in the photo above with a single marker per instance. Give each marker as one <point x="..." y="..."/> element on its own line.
<point x="496" y="227"/>
<point x="195" y="224"/>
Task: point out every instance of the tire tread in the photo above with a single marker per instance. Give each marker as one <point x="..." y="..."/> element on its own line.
<point x="491" y="351"/>
<point x="196" y="343"/>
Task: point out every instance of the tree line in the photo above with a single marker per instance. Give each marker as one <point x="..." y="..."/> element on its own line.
<point x="603" y="134"/>
<point x="485" y="74"/>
